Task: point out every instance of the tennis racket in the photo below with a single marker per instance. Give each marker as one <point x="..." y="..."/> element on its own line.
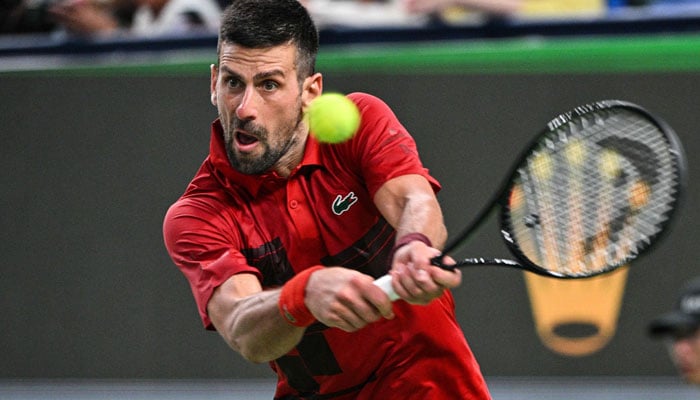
<point x="591" y="193"/>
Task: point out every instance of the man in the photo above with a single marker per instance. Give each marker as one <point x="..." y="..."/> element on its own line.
<point x="281" y="237"/>
<point x="682" y="329"/>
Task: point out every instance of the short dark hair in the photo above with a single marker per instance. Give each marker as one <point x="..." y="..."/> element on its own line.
<point x="259" y="24"/>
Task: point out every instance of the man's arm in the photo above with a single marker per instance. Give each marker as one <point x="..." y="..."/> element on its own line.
<point x="249" y="319"/>
<point x="409" y="204"/>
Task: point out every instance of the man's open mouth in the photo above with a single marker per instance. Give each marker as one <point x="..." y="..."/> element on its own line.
<point x="246" y="141"/>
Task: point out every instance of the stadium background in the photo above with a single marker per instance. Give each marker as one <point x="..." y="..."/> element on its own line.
<point x="97" y="146"/>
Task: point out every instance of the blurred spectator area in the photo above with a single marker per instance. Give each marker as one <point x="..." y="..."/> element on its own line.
<point x="358" y="22"/>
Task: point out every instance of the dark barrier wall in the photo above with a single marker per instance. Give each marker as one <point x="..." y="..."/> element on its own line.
<point x="90" y="164"/>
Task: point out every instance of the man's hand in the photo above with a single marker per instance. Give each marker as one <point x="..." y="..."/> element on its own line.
<point x="414" y="277"/>
<point x="346" y="299"/>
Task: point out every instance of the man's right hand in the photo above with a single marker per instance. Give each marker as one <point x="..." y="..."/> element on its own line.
<point x="346" y="299"/>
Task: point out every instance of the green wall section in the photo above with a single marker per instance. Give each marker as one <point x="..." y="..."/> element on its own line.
<point x="524" y="55"/>
<point x="672" y="53"/>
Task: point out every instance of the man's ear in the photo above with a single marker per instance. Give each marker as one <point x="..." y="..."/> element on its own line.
<point x="214" y="79"/>
<point x="312" y="88"/>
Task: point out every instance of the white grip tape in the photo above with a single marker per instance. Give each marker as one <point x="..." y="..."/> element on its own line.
<point x="384" y="283"/>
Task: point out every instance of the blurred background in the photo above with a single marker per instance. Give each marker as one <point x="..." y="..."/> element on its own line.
<point x="105" y="118"/>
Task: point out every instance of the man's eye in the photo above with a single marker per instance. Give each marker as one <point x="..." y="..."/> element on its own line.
<point x="233" y="83"/>
<point x="270" y="85"/>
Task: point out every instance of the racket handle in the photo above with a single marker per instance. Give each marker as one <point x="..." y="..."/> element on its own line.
<point x="384" y="283"/>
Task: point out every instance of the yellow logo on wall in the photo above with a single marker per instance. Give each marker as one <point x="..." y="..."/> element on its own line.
<point x="576" y="317"/>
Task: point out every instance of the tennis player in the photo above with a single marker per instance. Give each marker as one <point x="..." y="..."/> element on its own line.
<point x="680" y="329"/>
<point x="281" y="237"/>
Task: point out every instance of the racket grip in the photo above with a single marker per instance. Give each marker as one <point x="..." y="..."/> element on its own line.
<point x="384" y="283"/>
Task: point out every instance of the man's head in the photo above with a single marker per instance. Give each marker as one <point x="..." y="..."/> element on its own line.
<point x="263" y="81"/>
<point x="267" y="23"/>
<point x="681" y="329"/>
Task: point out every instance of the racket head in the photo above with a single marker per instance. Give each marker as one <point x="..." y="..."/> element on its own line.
<point x="593" y="191"/>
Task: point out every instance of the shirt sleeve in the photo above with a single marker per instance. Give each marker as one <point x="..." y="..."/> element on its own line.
<point x="383" y="146"/>
<point x="200" y="243"/>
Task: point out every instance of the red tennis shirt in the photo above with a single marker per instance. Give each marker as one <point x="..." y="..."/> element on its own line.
<point x="228" y="223"/>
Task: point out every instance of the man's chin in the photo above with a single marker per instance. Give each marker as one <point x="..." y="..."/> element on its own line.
<point x="248" y="165"/>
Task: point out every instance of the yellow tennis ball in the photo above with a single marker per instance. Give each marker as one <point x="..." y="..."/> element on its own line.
<point x="333" y="118"/>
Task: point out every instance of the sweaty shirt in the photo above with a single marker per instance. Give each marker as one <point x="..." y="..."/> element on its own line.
<point x="228" y="223"/>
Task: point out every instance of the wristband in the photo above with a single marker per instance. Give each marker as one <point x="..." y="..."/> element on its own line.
<point x="406" y="239"/>
<point x="291" y="302"/>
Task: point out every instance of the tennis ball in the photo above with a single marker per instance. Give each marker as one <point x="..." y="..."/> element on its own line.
<point x="333" y="118"/>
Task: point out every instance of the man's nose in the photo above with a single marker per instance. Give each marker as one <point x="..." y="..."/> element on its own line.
<point x="248" y="107"/>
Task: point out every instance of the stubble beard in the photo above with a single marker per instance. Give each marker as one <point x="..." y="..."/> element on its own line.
<point x="250" y="164"/>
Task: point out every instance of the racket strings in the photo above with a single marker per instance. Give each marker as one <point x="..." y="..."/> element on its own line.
<point x="594" y="193"/>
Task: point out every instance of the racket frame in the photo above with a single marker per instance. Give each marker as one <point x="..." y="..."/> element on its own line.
<point x="500" y="198"/>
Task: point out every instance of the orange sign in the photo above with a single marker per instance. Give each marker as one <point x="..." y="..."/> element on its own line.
<point x="576" y="317"/>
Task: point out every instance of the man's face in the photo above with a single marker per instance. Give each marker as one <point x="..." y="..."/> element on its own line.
<point x="260" y="104"/>
<point x="685" y="353"/>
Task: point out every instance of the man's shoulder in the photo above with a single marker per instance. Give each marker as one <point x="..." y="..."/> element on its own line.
<point x="365" y="99"/>
<point x="371" y="107"/>
<point x="205" y="191"/>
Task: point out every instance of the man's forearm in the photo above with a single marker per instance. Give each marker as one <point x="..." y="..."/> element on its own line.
<point x="254" y="328"/>
<point x="422" y="214"/>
